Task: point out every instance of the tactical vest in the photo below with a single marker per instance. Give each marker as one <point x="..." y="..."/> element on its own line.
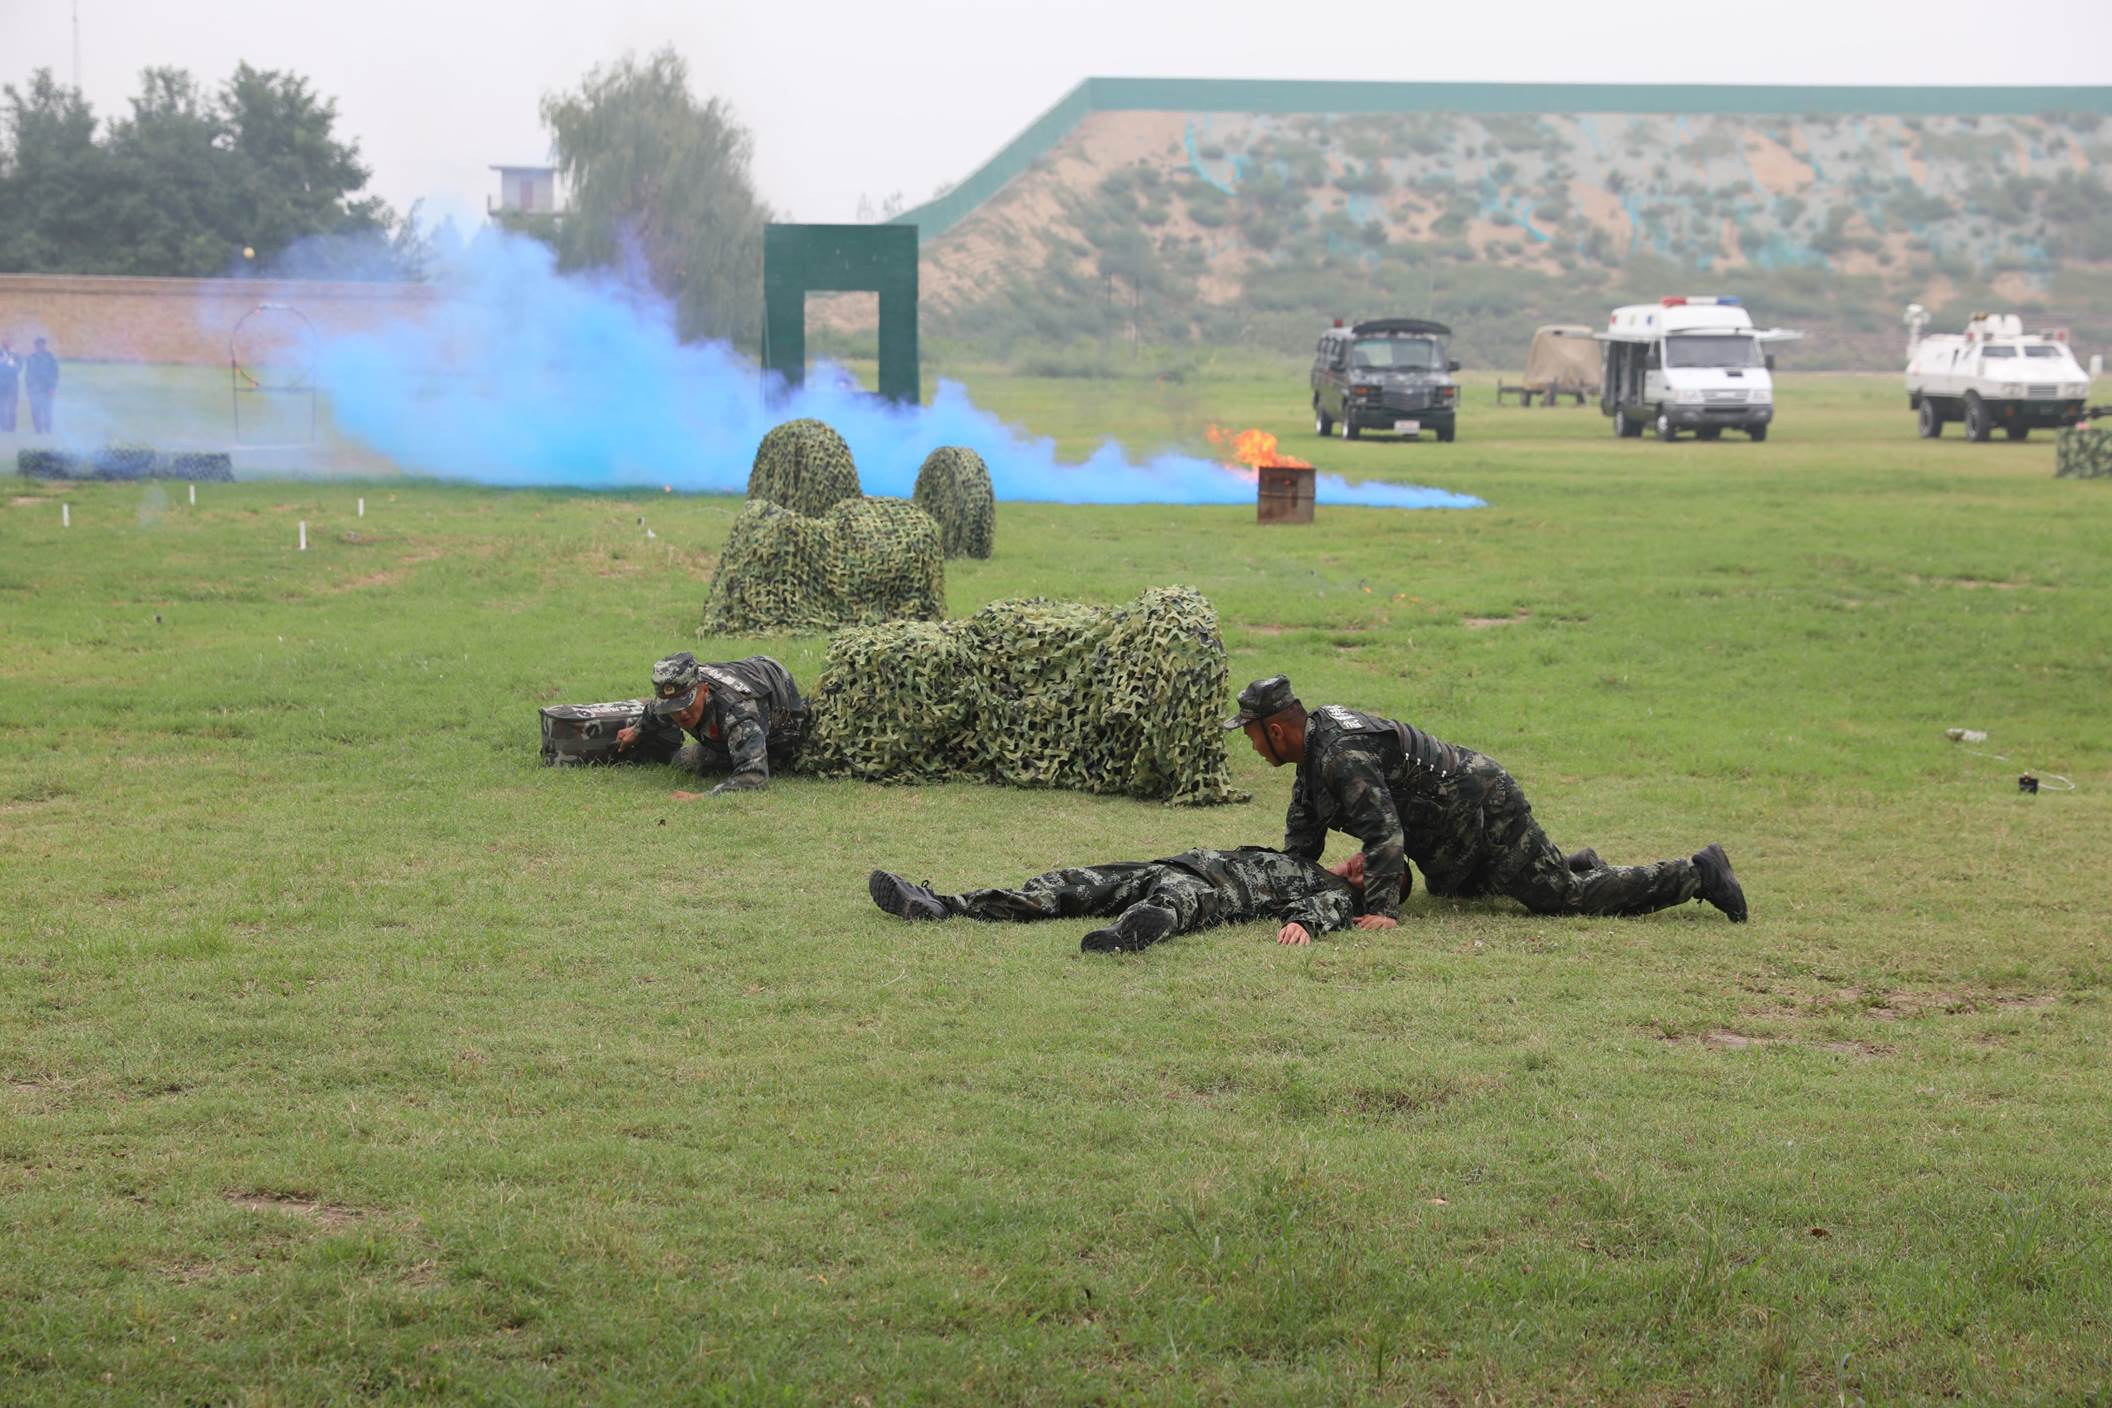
<point x="769" y="684"/>
<point x="1424" y="756"/>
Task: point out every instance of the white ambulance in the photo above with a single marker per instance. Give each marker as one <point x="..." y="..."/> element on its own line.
<point x="1994" y="373"/>
<point x="1688" y="363"/>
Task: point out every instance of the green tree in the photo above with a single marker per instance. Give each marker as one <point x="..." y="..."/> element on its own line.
<point x="172" y="192"/>
<point x="188" y="180"/>
<point x="53" y="181"/>
<point x="661" y="179"/>
<point x="297" y="179"/>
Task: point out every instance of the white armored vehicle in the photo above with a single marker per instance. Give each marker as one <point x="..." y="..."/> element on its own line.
<point x="1994" y="373"/>
<point x="1688" y="364"/>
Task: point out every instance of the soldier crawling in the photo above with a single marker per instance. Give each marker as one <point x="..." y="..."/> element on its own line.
<point x="1153" y="900"/>
<point x="744" y="715"/>
<point x="1456" y="813"/>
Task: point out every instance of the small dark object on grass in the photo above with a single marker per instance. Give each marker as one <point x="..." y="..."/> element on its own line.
<point x="2028" y="783"/>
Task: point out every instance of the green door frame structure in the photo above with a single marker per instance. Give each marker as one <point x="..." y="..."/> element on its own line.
<point x="803" y="259"/>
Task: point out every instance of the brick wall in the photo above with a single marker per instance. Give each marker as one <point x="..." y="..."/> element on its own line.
<point x="183" y="320"/>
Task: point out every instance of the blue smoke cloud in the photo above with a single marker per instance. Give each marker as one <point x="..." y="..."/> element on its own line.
<point x="523" y="376"/>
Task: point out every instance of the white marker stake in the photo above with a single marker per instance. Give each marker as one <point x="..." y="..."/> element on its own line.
<point x="362" y="508"/>
<point x="194" y="495"/>
<point x="65" y="515"/>
<point x="304" y="535"/>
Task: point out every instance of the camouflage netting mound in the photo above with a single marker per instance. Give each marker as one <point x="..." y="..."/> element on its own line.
<point x="2082" y="452"/>
<point x="862" y="562"/>
<point x="804" y="466"/>
<point x="954" y="488"/>
<point x="1034" y="693"/>
<point x="124" y="462"/>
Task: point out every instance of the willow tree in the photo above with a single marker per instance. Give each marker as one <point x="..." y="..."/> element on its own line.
<point x="660" y="180"/>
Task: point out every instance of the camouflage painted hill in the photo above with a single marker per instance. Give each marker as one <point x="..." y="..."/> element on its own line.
<point x="1250" y="211"/>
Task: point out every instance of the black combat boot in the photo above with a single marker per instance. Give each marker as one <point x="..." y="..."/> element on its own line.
<point x="1718" y="886"/>
<point x="1585" y="861"/>
<point x="902" y="899"/>
<point x="1140" y="926"/>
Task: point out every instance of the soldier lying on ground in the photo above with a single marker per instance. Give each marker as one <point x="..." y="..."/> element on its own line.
<point x="1457" y="814"/>
<point x="1153" y="900"/>
<point x="744" y="715"/>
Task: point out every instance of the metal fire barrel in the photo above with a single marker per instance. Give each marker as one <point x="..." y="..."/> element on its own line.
<point x="1284" y="496"/>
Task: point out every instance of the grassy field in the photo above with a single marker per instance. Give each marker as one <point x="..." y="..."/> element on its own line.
<point x="347" y="1055"/>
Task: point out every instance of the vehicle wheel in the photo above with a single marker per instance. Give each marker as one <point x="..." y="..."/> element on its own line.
<point x="1977" y="426"/>
<point x="1621" y="428"/>
<point x="1665" y="432"/>
<point x="1930" y="423"/>
<point x="1757" y="432"/>
<point x="1323" y="424"/>
<point x="2017" y="432"/>
<point x="1713" y="432"/>
<point x="1445" y="434"/>
<point x="1349" y="426"/>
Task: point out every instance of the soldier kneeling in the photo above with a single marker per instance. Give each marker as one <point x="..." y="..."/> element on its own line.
<point x="743" y="715"/>
<point x="1153" y="900"/>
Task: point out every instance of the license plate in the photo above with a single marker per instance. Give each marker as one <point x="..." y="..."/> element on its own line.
<point x="1407" y="427"/>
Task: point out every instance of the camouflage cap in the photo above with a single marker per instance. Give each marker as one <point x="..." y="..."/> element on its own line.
<point x="1261" y="699"/>
<point x="674" y="683"/>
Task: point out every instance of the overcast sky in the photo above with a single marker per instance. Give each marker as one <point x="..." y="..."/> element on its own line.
<point x="851" y="98"/>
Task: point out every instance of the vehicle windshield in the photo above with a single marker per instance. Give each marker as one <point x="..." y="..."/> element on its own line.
<point x="1998" y="351"/>
<point x="1712" y="350"/>
<point x="1406" y="353"/>
<point x="2044" y="351"/>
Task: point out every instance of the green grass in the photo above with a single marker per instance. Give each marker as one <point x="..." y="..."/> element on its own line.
<point x="348" y="1055"/>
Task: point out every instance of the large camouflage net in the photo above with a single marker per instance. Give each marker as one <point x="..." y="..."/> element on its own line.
<point x="1034" y="693"/>
<point x="954" y="488"/>
<point x="863" y="561"/>
<point x="805" y="466"/>
<point x="2082" y="452"/>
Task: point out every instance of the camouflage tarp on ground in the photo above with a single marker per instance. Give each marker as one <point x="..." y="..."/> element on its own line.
<point x="125" y="462"/>
<point x="2082" y="452"/>
<point x="862" y="562"/>
<point x="954" y="488"/>
<point x="1034" y="693"/>
<point x="804" y="466"/>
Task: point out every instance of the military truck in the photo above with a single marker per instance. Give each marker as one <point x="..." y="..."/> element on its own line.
<point x="1385" y="374"/>
<point x="1994" y="373"/>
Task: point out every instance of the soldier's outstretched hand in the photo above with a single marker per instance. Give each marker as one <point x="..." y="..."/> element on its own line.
<point x="1375" y="921"/>
<point x="625" y="737"/>
<point x="1293" y="934"/>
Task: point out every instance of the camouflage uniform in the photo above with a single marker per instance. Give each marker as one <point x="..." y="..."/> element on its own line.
<point x="1457" y="814"/>
<point x="2082" y="452"/>
<point x="1200" y="888"/>
<point x="753" y="717"/>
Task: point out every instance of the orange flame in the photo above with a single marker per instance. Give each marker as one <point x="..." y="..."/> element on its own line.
<point x="1256" y="449"/>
